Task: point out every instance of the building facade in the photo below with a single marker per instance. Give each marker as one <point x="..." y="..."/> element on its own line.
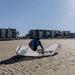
<point x="7" y="33"/>
<point x="43" y="34"/>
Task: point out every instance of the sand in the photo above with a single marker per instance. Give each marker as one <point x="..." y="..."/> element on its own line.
<point x="62" y="63"/>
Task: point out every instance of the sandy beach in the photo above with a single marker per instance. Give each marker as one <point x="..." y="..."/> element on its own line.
<point x="62" y="63"/>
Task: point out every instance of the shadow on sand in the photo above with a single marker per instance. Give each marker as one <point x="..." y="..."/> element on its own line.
<point x="18" y="58"/>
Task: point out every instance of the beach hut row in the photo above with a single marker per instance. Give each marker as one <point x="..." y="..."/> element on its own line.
<point x="7" y="33"/>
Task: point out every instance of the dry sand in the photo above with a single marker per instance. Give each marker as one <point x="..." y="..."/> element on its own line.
<point x="62" y="63"/>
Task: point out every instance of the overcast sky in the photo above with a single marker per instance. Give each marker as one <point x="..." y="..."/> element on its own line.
<point x="24" y="15"/>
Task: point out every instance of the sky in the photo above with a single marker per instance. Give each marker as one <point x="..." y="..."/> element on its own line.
<point x="24" y="15"/>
